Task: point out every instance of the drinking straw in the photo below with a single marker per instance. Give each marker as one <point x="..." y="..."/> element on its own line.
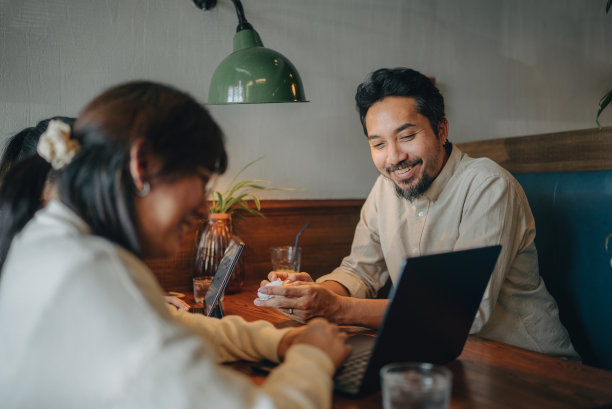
<point x="300" y="233"/>
<point x="295" y="248"/>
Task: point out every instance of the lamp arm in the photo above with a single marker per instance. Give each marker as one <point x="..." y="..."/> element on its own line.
<point x="243" y="24"/>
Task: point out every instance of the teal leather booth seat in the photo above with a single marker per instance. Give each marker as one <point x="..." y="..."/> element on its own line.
<point x="573" y="215"/>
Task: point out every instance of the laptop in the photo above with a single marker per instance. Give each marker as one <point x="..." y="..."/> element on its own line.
<point x="428" y="318"/>
<point x="227" y="265"/>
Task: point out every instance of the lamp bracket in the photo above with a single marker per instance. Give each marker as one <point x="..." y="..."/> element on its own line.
<point x="205" y="4"/>
<point x="243" y="24"/>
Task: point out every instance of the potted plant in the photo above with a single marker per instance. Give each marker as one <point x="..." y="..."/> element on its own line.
<point x="213" y="235"/>
<point x="234" y="200"/>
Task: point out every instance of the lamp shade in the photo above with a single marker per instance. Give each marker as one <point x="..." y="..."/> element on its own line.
<point x="253" y="74"/>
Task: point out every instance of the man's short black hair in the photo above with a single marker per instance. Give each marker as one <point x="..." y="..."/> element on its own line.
<point x="401" y="82"/>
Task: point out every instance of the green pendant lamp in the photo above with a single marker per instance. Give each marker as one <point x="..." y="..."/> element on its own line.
<point x="252" y="74"/>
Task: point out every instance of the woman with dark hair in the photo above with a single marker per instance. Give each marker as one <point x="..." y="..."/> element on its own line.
<point x="34" y="179"/>
<point x="23" y="144"/>
<point x="84" y="320"/>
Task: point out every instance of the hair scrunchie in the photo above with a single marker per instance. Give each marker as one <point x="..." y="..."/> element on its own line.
<point x="55" y="145"/>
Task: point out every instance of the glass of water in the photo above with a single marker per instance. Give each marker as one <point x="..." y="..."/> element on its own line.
<point x="286" y="258"/>
<point x="415" y="385"/>
<point x="200" y="287"/>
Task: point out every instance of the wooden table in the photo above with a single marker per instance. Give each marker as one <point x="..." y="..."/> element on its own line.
<point x="487" y="374"/>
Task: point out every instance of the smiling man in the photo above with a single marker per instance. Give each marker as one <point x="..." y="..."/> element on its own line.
<point x="405" y="148"/>
<point x="431" y="198"/>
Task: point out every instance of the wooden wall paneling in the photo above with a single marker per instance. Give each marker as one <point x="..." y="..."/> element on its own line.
<point x="326" y="241"/>
<point x="589" y="149"/>
<point x="176" y="273"/>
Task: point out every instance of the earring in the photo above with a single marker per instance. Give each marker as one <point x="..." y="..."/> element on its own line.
<point x="146" y="188"/>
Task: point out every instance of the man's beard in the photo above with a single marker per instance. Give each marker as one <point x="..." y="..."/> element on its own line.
<point x="412" y="192"/>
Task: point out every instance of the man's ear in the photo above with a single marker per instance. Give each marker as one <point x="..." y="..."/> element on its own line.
<point x="443" y="130"/>
<point x="139" y="163"/>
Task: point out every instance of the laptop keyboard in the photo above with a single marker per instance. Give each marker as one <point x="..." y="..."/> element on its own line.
<point x="349" y="376"/>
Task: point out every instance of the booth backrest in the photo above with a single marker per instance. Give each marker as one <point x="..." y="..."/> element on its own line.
<point x="567" y="178"/>
<point x="573" y="215"/>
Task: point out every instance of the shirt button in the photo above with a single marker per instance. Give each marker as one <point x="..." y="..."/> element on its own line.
<point x="420" y="214"/>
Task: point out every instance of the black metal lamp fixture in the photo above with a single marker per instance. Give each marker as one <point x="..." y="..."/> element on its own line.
<point x="252" y="74"/>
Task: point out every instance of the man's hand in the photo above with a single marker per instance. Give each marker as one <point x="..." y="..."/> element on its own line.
<point x="286" y="276"/>
<point x="303" y="300"/>
<point x="321" y="334"/>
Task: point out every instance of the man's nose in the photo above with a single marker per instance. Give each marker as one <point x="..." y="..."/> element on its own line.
<point x="395" y="154"/>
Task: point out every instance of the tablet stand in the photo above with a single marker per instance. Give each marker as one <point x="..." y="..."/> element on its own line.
<point x="217" y="311"/>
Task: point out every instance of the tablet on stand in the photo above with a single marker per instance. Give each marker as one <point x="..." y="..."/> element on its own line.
<point x="221" y="278"/>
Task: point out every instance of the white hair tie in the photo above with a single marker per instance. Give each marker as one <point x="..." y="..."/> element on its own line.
<point x="55" y="145"/>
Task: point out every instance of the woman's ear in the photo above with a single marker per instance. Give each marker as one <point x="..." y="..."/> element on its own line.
<point x="139" y="164"/>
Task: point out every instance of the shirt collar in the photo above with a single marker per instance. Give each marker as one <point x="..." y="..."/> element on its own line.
<point x="444" y="176"/>
<point x="59" y="210"/>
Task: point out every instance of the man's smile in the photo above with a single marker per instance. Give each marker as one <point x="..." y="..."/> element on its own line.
<point x="404" y="171"/>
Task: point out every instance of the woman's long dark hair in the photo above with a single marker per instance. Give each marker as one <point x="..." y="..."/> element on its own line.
<point x="97" y="184"/>
<point x="23" y="175"/>
<point x="23" y="144"/>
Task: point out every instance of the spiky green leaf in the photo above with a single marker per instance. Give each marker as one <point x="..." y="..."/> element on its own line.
<point x="245" y="207"/>
<point x="258" y="187"/>
<point x="244" y="168"/>
<point x="232" y="190"/>
<point x="217" y="204"/>
<point x="603" y="103"/>
<point x="234" y="199"/>
<point x="257" y="203"/>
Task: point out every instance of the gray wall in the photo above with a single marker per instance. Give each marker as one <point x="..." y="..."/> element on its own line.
<point x="506" y="68"/>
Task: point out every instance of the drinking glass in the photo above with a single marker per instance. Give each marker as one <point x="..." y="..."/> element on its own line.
<point x="286" y="258"/>
<point x="200" y="287"/>
<point x="415" y="385"/>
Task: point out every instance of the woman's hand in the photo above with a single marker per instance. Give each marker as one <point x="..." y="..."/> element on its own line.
<point x="321" y="334"/>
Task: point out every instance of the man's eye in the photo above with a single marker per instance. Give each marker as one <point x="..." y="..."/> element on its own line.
<point x="408" y="137"/>
<point x="378" y="146"/>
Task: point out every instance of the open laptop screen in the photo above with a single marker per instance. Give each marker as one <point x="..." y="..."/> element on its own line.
<point x="429" y="315"/>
